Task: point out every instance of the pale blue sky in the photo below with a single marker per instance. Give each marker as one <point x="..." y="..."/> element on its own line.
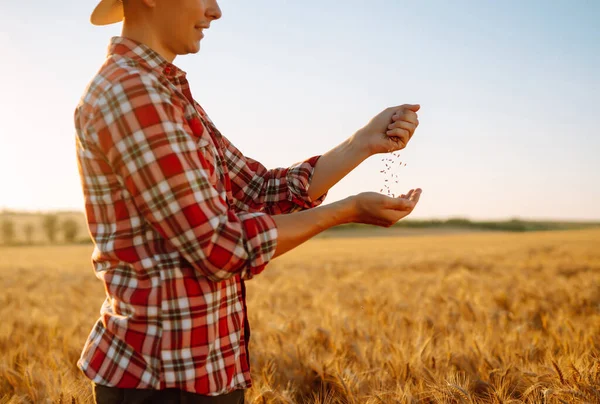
<point x="510" y="96"/>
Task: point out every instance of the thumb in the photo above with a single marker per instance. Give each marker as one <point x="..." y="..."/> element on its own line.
<point x="413" y="107"/>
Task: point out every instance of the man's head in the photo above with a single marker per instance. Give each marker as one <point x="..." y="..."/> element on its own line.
<point x="171" y="27"/>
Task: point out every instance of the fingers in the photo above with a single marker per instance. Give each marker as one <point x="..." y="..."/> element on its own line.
<point x="404" y="122"/>
<point x="408" y="201"/>
<point x="416" y="195"/>
<point x="401" y="134"/>
<point x="412" y="107"/>
<point x="406" y="115"/>
<point x="402" y="204"/>
<point x="397" y="132"/>
<point x="408" y="126"/>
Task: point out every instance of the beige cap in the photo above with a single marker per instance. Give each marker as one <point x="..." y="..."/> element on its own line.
<point x="107" y="12"/>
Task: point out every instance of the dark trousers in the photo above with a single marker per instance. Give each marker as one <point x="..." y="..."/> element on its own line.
<point x="115" y="395"/>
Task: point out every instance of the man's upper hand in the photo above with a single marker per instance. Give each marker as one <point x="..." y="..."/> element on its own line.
<point x="388" y="131"/>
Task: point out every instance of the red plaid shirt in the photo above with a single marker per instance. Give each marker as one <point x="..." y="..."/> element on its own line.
<point x="179" y="218"/>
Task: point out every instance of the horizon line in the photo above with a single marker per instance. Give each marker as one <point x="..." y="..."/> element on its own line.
<point x="4" y="211"/>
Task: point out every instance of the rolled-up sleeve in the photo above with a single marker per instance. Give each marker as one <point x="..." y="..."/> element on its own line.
<point x="149" y="145"/>
<point x="274" y="191"/>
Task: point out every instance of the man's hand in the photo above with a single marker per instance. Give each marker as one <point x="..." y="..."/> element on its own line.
<point x="380" y="210"/>
<point x="389" y="131"/>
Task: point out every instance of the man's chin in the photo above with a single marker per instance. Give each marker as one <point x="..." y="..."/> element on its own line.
<point x="192" y="48"/>
<point x="196" y="46"/>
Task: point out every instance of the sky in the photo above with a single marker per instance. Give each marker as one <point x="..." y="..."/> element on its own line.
<point x="509" y="94"/>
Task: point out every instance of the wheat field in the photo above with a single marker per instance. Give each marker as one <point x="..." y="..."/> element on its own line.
<point x="468" y="318"/>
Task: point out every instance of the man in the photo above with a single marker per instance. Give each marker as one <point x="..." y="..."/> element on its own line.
<point x="180" y="218"/>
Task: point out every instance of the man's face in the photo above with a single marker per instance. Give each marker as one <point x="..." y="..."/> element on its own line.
<point x="181" y="23"/>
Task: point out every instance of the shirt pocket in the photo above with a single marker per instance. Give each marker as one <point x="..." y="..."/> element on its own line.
<point x="207" y="153"/>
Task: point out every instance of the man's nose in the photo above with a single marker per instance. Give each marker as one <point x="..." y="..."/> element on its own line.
<point x="213" y="11"/>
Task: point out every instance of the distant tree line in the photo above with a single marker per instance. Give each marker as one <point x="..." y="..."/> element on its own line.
<point x="512" y="225"/>
<point x="50" y="225"/>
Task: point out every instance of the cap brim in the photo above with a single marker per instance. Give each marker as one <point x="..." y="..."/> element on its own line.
<point x="107" y="12"/>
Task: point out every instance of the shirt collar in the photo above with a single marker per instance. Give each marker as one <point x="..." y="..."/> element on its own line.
<point x="143" y="54"/>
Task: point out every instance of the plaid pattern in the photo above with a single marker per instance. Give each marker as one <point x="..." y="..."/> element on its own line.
<point x="179" y="218"/>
